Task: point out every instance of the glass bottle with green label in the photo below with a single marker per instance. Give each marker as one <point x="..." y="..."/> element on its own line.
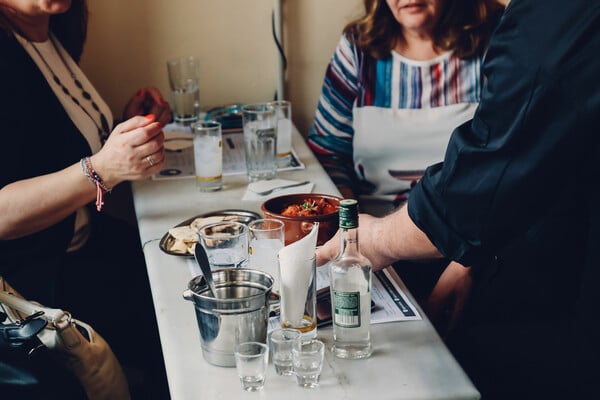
<point x="350" y="274"/>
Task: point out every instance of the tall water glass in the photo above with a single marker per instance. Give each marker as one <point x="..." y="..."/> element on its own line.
<point x="184" y="78"/>
<point x="260" y="141"/>
<point x="266" y="239"/>
<point x="283" y="112"/>
<point x="208" y="155"/>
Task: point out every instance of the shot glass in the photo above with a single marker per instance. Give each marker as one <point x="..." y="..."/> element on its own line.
<point x="307" y="361"/>
<point x="298" y="294"/>
<point x="283" y="114"/>
<point x="226" y="244"/>
<point x="251" y="361"/>
<point x="208" y="155"/>
<point x="266" y="239"/>
<point x="184" y="79"/>
<point x="282" y="342"/>
<point x="260" y="141"/>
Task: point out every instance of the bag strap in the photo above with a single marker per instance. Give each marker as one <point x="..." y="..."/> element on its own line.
<point x="52" y="315"/>
<point x="18" y="308"/>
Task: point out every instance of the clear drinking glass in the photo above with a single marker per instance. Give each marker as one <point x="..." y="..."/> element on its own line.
<point x="298" y="294"/>
<point x="208" y="155"/>
<point x="251" y="361"/>
<point x="307" y="360"/>
<point x="226" y="244"/>
<point x="282" y="341"/>
<point x="184" y="79"/>
<point x="283" y="113"/>
<point x="266" y="239"/>
<point x="260" y="141"/>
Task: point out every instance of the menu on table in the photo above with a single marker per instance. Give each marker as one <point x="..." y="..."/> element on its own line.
<point x="391" y="303"/>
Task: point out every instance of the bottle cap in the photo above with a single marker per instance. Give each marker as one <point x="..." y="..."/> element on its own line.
<point x="348" y="212"/>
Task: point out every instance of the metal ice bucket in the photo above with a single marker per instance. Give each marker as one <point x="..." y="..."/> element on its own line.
<point x="240" y="313"/>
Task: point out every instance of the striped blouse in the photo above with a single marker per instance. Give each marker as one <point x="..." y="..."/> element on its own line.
<point x="380" y="123"/>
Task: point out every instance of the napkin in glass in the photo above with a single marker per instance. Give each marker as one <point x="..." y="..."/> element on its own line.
<point x="295" y="274"/>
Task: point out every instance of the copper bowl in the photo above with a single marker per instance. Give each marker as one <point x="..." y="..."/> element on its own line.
<point x="298" y="227"/>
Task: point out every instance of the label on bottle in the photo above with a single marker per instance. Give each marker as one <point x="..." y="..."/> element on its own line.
<point x="346" y="309"/>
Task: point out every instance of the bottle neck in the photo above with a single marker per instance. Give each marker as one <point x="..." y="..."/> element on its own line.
<point x="349" y="242"/>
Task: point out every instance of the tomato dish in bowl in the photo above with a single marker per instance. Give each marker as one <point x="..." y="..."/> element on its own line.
<point x="299" y="211"/>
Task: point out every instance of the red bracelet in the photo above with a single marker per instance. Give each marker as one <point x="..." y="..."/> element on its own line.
<point x="94" y="178"/>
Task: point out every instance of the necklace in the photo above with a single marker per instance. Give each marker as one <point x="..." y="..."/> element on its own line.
<point x="103" y="127"/>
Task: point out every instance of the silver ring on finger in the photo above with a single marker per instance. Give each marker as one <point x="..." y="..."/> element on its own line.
<point x="151" y="161"/>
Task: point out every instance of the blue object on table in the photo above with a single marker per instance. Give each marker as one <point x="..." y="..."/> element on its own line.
<point x="230" y="117"/>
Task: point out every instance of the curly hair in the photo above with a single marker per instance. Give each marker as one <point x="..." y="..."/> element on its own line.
<point x="70" y="27"/>
<point x="465" y="26"/>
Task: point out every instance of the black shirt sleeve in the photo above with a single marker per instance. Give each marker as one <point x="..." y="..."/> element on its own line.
<point x="534" y="135"/>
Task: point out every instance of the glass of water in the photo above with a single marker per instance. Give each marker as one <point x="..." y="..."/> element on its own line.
<point x="251" y="361"/>
<point x="266" y="239"/>
<point x="184" y="78"/>
<point x="307" y="360"/>
<point x="283" y="112"/>
<point x="260" y="141"/>
<point x="226" y="244"/>
<point x="208" y="155"/>
<point x="282" y="341"/>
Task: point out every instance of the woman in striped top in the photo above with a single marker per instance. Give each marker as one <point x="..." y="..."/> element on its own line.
<point x="401" y="78"/>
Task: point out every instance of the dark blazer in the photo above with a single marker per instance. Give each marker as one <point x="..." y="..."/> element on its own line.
<point x="516" y="198"/>
<point x="38" y="138"/>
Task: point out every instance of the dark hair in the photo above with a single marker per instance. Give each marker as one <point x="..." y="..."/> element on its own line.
<point x="465" y="26"/>
<point x="70" y="27"/>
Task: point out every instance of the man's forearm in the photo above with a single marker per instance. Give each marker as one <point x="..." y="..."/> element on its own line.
<point x="394" y="237"/>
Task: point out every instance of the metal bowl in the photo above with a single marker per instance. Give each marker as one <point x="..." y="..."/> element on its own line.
<point x="243" y="216"/>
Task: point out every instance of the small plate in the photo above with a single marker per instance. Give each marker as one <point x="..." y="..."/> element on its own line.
<point x="243" y="216"/>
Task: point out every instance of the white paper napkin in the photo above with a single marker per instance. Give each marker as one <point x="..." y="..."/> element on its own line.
<point x="295" y="269"/>
<point x="266" y="185"/>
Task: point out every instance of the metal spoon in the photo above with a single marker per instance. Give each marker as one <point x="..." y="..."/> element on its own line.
<point x="202" y="260"/>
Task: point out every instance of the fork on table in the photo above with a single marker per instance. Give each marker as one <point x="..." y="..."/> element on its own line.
<point x="291" y="185"/>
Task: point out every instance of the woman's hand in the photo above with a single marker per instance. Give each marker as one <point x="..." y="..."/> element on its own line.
<point x="134" y="150"/>
<point x="124" y="156"/>
<point x="148" y="101"/>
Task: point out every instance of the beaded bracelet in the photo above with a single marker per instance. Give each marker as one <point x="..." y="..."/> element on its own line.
<point x="92" y="176"/>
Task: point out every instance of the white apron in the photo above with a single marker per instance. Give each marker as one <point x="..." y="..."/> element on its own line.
<point x="392" y="147"/>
